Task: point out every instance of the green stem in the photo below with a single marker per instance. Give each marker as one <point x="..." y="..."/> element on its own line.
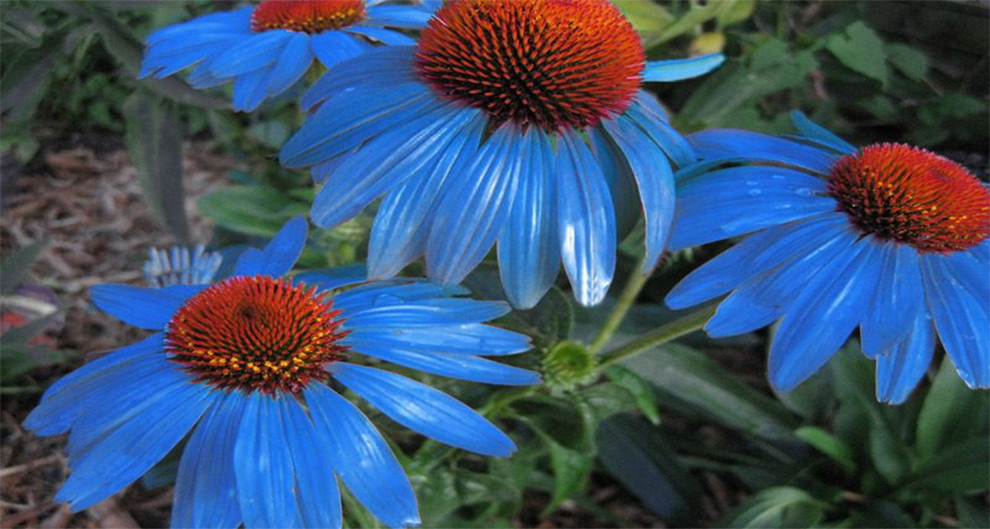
<point x="637" y="280"/>
<point x="663" y="334"/>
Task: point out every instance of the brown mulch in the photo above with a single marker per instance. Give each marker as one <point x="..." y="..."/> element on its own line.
<point x="87" y="207"/>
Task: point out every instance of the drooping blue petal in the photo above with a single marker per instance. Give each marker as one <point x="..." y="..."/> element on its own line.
<point x="317" y="495"/>
<point x="891" y="314"/>
<point x="820" y="134"/>
<point x="471" y="339"/>
<point x="251" y="54"/>
<point x="124" y="455"/>
<point x="425" y="313"/>
<point x="232" y="21"/>
<point x="960" y="313"/>
<point x="462" y="366"/>
<point x="147" y="308"/>
<point x="279" y="255"/>
<point x="647" y="113"/>
<point x="585" y="220"/>
<point x="385" y="36"/>
<point x="399" y="16"/>
<point x="475" y="205"/>
<point x="263" y="467"/>
<point x="350" y="119"/>
<point x="424" y="409"/>
<point x="733" y="143"/>
<point x="680" y="69"/>
<point x="167" y="58"/>
<point x="249" y="89"/>
<point x="361" y="458"/>
<point x="66" y="399"/>
<point x="380" y="294"/>
<point x="755" y="255"/>
<point x="382" y="67"/>
<point x="332" y="47"/>
<point x="387" y="161"/>
<point x="655" y="180"/>
<point x="291" y="65"/>
<point x="402" y="222"/>
<point x="763" y="299"/>
<point x="621" y="182"/>
<point x="823" y="315"/>
<point x="205" y="489"/>
<point x="528" y="249"/>
<point x="332" y="278"/>
<point x="748" y="198"/>
<point x="900" y="370"/>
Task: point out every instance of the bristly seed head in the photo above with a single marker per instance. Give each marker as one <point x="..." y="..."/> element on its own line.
<point x="912" y="196"/>
<point x="547" y="63"/>
<point x="306" y="16"/>
<point x="255" y="333"/>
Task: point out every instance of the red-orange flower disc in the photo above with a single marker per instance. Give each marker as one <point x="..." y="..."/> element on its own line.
<point x="255" y="333"/>
<point x="912" y="196"/>
<point x="306" y="16"/>
<point x="548" y="63"/>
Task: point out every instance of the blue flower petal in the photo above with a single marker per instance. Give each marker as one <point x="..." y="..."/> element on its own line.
<point x="900" y="370"/>
<point x="680" y="69"/>
<point x="471" y="339"/>
<point x="168" y="58"/>
<point x="349" y="119"/>
<point x="74" y="393"/>
<point x="385" y="36"/>
<point x="279" y="255"/>
<point x="528" y="249"/>
<point x="252" y="54"/>
<point x="585" y="221"/>
<point x="233" y="21"/>
<point x="395" y="292"/>
<point x="424" y="409"/>
<point x="126" y="453"/>
<point x="462" y="366"/>
<point x="382" y="67"/>
<point x="755" y="255"/>
<point x="249" y="89"/>
<point x="475" y="205"/>
<point x="820" y="134"/>
<point x="748" y="198"/>
<point x="621" y="182"/>
<point x="402" y="222"/>
<point x="333" y="278"/>
<point x="899" y="298"/>
<point x="655" y="180"/>
<point x="766" y="297"/>
<point x="205" y="488"/>
<point x="823" y="315"/>
<point x="147" y="308"/>
<point x="263" y="467"/>
<point x="425" y="313"/>
<point x="387" y="161"/>
<point x="362" y="459"/>
<point x="332" y="47"/>
<point x="733" y="143"/>
<point x="399" y="16"/>
<point x="649" y="116"/>
<point x="957" y="291"/>
<point x="290" y="66"/>
<point x="317" y="494"/>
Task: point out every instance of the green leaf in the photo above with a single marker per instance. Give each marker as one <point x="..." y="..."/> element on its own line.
<point x="648" y="18"/>
<point x="829" y="445"/>
<point x="551" y="319"/>
<point x="154" y="143"/>
<point x="972" y="512"/>
<point x="951" y="412"/>
<point x="570" y="474"/>
<point x="963" y="468"/>
<point x="606" y="400"/>
<point x="694" y="378"/>
<point x="740" y="11"/>
<point x="776" y="507"/>
<point x="813" y="399"/>
<point x="17" y="264"/>
<point x="861" y="50"/>
<point x="911" y="62"/>
<point x="253" y="210"/>
<point x="26" y="81"/>
<point x="646" y="399"/>
<point x="635" y="453"/>
<point x="695" y="17"/>
<point x="559" y="420"/>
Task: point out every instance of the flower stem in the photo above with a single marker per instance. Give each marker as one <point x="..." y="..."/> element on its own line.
<point x="637" y="280"/>
<point x="663" y="334"/>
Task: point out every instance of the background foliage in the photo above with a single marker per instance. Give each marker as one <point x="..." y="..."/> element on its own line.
<point x="681" y="427"/>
